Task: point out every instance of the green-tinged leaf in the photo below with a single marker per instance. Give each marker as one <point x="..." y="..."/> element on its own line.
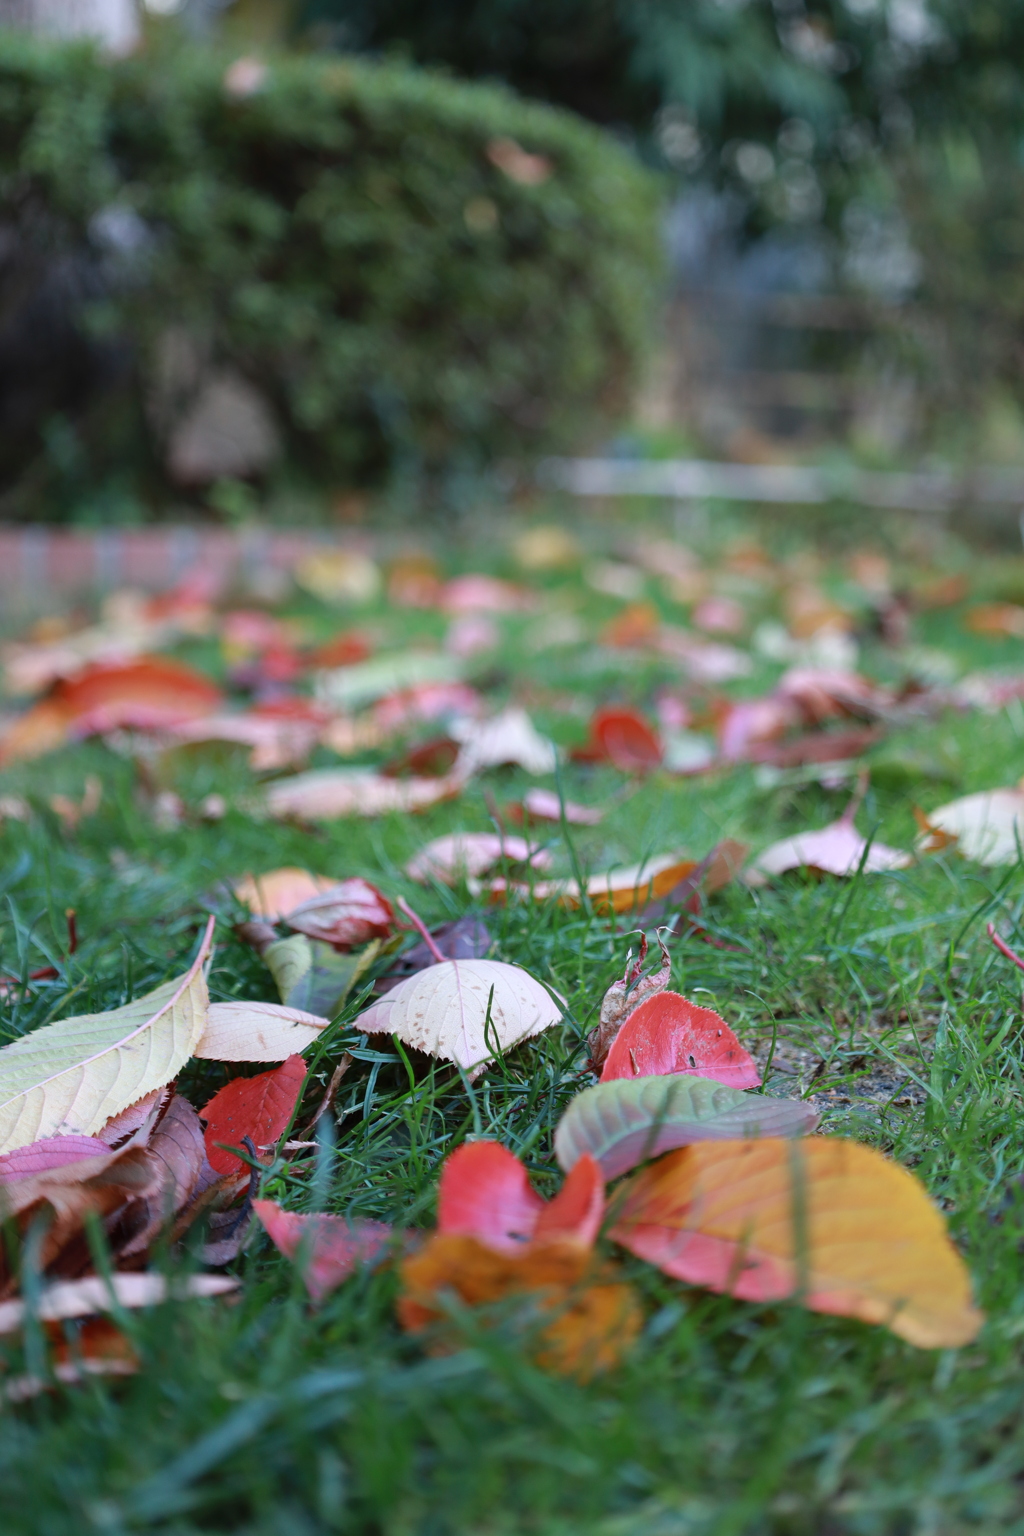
<point x="68" y="1078"/>
<point x="623" y="1122"/>
<point x="313" y="976"/>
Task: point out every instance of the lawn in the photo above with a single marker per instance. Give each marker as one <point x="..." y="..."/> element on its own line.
<point x="879" y="997"/>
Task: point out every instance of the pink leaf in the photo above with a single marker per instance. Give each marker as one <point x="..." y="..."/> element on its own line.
<point x="667" y="1033"/>
<point x="332" y="1246"/>
<point x="51" y="1152"/>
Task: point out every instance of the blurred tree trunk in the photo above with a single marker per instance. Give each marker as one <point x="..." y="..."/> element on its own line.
<point x="114" y="23"/>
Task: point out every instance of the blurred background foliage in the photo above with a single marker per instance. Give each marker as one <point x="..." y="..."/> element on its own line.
<point x="404" y="243"/>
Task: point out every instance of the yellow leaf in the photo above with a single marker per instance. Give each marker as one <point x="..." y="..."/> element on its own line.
<point x="826" y="1221"/>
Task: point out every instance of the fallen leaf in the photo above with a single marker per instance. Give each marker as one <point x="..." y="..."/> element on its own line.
<point x="461" y="854"/>
<point x="988" y="827"/>
<point x="280" y="891"/>
<point x="508" y="739"/>
<point x="148" y="694"/>
<point x="626" y="1122"/>
<point x="314" y="978"/>
<point x="276" y="742"/>
<point x="256" y="1032"/>
<point x="330" y="1248"/>
<point x="635" y="627"/>
<point x="622" y="997"/>
<point x="463" y="1010"/>
<point x="485" y="1192"/>
<point x="484" y="594"/>
<point x="626" y="889"/>
<point x="544" y="805"/>
<point x="49" y="1153"/>
<point x="669" y="1034"/>
<point x="471" y="634"/>
<point x="98" y="1348"/>
<point x="546" y="548"/>
<point x="996" y="619"/>
<point x="592" y="1327"/>
<point x="39" y="730"/>
<point x="169" y="1166"/>
<point x="258" y="1107"/>
<point x="837" y="849"/>
<point x="328" y="793"/>
<point x="82" y="1298"/>
<point x="467" y="938"/>
<point x="70" y="1077"/>
<point x="339" y="576"/>
<point x="345" y="915"/>
<point x="719" y="615"/>
<point x="824" y="1220"/>
<point x="624" y="738"/>
<point x="363" y="683"/>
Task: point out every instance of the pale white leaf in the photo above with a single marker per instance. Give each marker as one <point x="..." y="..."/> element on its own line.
<point x="257" y="1032"/>
<point x="988" y="826"/>
<point x="459" y="854"/>
<point x="329" y="792"/>
<point x="68" y="1078"/>
<point x="838" y="849"/>
<point x="83" y="1298"/>
<point x="510" y="737"/>
<point x="443" y="1010"/>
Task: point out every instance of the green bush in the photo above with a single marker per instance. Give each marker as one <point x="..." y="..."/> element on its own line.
<point x="341" y="235"/>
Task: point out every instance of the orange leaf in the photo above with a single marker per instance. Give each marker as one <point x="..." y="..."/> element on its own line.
<point x="278" y="892"/>
<point x="593" y="1324"/>
<point x="146" y="694"/>
<point x="826" y="1221"/>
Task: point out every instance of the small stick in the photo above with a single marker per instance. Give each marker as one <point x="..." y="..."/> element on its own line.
<point x="1004" y="948"/>
<point x="422" y="929"/>
<point x="72" y="930"/>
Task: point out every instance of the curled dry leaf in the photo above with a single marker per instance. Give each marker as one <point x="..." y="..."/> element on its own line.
<point x="825" y="1220"/>
<point x="258" y="1107"/>
<point x="625" y="995"/>
<point x="987" y="827"/>
<point x="344" y="916"/>
<point x="837" y="849"/>
<point x="627" y="1121"/>
<point x="330" y="1248"/>
<point x="82" y="1298"/>
<point x="463" y="1010"/>
<point x="328" y="793"/>
<point x="667" y="1033"/>
<point x="461" y="854"/>
<point x="257" y="1032"/>
<point x="273" y="895"/>
<point x="167" y="1168"/>
<point x="71" y="1077"/>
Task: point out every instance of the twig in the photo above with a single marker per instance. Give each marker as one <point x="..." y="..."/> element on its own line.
<point x="1004" y="948"/>
<point x="422" y="929"/>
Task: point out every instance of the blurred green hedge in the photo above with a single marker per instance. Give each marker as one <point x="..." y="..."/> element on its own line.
<point x="419" y="274"/>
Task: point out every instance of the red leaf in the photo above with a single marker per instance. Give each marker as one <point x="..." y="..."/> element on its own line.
<point x="349" y="914"/>
<point x="577" y="1210"/>
<point x="332" y="1246"/>
<point x="669" y="1034"/>
<point x="485" y="1192"/>
<point x="623" y="737"/>
<point x="259" y="1107"/>
<point x="146" y="694"/>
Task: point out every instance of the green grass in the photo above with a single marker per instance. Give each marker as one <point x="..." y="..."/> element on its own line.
<point x="880" y="996"/>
